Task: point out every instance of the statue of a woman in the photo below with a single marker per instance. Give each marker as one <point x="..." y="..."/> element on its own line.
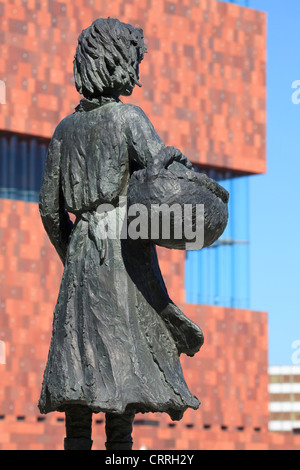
<point x="117" y="336"/>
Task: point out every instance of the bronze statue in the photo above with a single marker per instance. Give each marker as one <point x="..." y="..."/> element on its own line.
<point x="117" y="336"/>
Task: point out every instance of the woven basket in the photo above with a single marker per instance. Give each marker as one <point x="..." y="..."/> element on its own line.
<point x="182" y="189"/>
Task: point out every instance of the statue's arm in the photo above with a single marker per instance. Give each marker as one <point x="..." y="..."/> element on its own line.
<point x="54" y="216"/>
<point x="145" y="146"/>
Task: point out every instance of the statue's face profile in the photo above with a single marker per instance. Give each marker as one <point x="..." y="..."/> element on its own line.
<point x="107" y="59"/>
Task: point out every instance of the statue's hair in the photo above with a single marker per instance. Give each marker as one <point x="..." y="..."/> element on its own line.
<point x="107" y="57"/>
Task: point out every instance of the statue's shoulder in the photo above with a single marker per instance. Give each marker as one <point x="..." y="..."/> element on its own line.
<point x="134" y="115"/>
<point x="132" y="110"/>
<point x="63" y="126"/>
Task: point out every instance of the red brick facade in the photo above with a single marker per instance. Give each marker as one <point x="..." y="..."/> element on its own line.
<point x="229" y="375"/>
<point x="203" y="79"/>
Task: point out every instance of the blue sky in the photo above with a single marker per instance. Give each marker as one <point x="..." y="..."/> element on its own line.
<point x="275" y="197"/>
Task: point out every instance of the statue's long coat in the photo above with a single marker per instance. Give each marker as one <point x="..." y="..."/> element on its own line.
<point x="117" y="336"/>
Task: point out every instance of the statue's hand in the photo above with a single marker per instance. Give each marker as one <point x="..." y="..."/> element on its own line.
<point x="165" y="158"/>
<point x="177" y="156"/>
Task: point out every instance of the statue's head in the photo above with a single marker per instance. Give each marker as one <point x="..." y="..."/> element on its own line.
<point x="107" y="58"/>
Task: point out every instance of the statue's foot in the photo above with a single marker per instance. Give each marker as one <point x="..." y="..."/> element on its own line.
<point x="77" y="443"/>
<point x="118" y="445"/>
